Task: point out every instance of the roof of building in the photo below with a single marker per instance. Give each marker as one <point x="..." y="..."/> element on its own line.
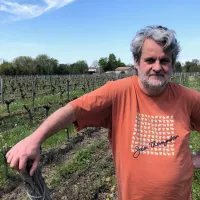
<point x="122" y="68"/>
<point x="93" y="67"/>
<point x="108" y="72"/>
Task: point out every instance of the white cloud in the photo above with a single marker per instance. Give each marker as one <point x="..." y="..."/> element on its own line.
<point x="28" y="11"/>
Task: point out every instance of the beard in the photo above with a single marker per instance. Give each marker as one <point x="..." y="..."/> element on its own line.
<point x="154" y="83"/>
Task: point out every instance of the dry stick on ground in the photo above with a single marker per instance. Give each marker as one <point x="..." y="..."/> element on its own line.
<point x="35" y="185"/>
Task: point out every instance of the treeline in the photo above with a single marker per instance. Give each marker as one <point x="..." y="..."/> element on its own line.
<point x="45" y="65"/>
<point x="188" y="66"/>
<point x="110" y="63"/>
<point x="41" y="65"/>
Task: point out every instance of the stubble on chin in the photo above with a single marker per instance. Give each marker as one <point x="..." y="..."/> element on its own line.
<point x="155" y="86"/>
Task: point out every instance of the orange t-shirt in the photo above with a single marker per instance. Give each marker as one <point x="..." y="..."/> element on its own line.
<point x="149" y="136"/>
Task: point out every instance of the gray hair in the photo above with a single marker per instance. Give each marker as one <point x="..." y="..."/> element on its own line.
<point x="160" y="35"/>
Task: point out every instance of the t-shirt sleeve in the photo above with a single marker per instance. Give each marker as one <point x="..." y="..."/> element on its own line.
<point x="94" y="109"/>
<point x="195" y="112"/>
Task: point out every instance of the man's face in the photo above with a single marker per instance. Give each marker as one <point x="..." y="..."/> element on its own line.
<point x="155" y="66"/>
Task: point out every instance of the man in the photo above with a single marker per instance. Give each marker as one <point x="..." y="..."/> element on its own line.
<point x="149" y="119"/>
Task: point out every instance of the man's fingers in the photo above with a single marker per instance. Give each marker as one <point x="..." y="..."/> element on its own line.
<point x="34" y="165"/>
<point x="23" y="164"/>
<point x="7" y="154"/>
<point x="9" y="158"/>
<point x="14" y="163"/>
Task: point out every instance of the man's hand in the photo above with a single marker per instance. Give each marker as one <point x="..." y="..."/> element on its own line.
<point x="18" y="156"/>
<point x="196" y="160"/>
<point x="29" y="148"/>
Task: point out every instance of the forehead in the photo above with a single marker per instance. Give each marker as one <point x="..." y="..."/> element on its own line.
<point x="151" y="49"/>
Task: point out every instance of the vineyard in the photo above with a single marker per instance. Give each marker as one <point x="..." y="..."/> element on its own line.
<point x="74" y="165"/>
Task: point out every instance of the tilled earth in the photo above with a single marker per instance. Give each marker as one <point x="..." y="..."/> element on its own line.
<point x="92" y="182"/>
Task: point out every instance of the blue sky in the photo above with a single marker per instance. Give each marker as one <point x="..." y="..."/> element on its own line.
<point x="72" y="30"/>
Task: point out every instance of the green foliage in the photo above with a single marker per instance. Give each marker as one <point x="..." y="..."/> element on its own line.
<point x="45" y="65"/>
<point x="41" y="65"/>
<point x="192" y="66"/>
<point x="177" y="67"/>
<point x="63" y="69"/>
<point x="103" y="62"/>
<point x="81" y="160"/>
<point x="110" y="63"/>
<point x="24" y="65"/>
<point x="120" y="63"/>
<point x="7" y="68"/>
<point x="194" y="146"/>
<point x="79" y="67"/>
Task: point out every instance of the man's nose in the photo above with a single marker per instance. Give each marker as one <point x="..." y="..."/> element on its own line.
<point x="157" y="66"/>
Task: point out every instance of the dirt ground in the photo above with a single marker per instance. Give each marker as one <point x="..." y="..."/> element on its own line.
<point x="93" y="182"/>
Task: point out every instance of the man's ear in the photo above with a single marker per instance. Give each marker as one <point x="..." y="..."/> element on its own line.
<point x="136" y="64"/>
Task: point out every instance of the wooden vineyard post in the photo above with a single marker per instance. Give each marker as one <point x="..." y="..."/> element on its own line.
<point x="67" y="102"/>
<point x="2" y="90"/>
<point x="181" y="79"/>
<point x="33" y="93"/>
<point x="93" y="84"/>
<point x="50" y="83"/>
<point x="35" y="185"/>
<point x="67" y="90"/>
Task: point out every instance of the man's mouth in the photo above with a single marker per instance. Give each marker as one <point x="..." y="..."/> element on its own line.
<point x="156" y="75"/>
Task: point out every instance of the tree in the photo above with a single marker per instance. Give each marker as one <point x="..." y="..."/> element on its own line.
<point x="187" y="66"/>
<point x="112" y="62"/>
<point x="193" y="66"/>
<point x="196" y="61"/>
<point x="45" y="64"/>
<point x="177" y="67"/>
<point x="79" y="67"/>
<point x="63" y="69"/>
<point x="7" y="68"/>
<point x="103" y="62"/>
<point x="120" y="63"/>
<point x="24" y="65"/>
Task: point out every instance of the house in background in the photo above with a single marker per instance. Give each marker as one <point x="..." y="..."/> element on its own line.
<point x="92" y="70"/>
<point x="110" y="72"/>
<point x="126" y="70"/>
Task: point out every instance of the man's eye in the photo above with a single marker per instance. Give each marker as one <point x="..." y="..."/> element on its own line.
<point x="165" y="61"/>
<point x="150" y="60"/>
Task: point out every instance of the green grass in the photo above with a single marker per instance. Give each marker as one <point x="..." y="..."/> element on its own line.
<point x="39" y="101"/>
<point x="58" y="139"/>
<point x="194" y="83"/>
<point x="16" y="127"/>
<point x="18" y="133"/>
<point x="195" y="146"/>
<point x="88" y="162"/>
<point x="81" y="160"/>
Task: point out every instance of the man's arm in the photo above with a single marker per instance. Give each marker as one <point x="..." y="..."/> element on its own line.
<point x="29" y="148"/>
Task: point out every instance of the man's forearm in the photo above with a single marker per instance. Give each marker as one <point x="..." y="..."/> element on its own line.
<point x="54" y="123"/>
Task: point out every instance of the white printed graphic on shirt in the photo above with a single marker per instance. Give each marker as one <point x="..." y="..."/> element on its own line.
<point x="153" y="135"/>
